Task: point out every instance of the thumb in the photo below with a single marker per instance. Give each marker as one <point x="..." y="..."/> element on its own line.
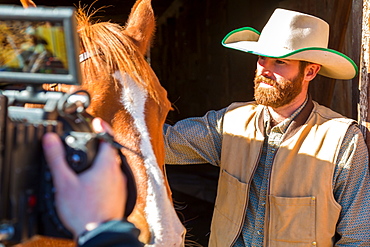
<point x="55" y="157"/>
<point x="101" y="126"/>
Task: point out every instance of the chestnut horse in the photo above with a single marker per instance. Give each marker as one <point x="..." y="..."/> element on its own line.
<point x="126" y="93"/>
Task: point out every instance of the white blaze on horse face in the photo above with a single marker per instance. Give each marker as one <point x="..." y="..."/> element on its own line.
<point x="162" y="219"/>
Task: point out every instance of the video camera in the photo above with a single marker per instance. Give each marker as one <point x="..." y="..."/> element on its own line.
<point x="38" y="46"/>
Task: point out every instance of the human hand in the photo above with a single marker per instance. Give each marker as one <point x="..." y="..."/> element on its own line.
<point x="94" y="196"/>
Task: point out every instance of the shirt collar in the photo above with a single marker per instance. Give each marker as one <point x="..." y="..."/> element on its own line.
<point x="283" y="126"/>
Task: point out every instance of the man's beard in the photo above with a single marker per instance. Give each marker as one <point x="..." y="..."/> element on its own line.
<point x="280" y="94"/>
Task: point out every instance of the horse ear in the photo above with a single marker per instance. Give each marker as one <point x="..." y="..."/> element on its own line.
<point x="28" y="3"/>
<point x="141" y="24"/>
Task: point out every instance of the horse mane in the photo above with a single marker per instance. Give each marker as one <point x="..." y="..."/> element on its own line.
<point x="112" y="50"/>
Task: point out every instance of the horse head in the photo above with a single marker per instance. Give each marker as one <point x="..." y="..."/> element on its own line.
<point x="126" y="93"/>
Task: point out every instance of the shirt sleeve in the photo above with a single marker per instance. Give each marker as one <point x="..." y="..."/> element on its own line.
<point x="195" y="140"/>
<point x="113" y="233"/>
<point x="352" y="190"/>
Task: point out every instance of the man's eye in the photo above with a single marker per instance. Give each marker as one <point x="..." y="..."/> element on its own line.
<point x="280" y="62"/>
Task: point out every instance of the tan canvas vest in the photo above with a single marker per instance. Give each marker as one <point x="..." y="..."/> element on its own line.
<point x="300" y="205"/>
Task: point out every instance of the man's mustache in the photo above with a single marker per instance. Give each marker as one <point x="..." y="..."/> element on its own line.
<point x="261" y="79"/>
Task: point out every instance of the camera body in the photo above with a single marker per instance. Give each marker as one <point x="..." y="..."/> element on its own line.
<point x="38" y="46"/>
<point x="27" y="193"/>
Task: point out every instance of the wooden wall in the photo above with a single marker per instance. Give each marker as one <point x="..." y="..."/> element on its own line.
<point x="200" y="74"/>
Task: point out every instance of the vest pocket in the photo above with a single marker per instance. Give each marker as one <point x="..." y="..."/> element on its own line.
<point x="228" y="214"/>
<point x="230" y="196"/>
<point x="292" y="221"/>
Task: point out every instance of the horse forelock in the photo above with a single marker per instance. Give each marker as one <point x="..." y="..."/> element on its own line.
<point x="112" y="50"/>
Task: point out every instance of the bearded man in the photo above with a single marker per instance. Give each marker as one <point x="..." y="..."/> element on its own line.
<point x="292" y="172"/>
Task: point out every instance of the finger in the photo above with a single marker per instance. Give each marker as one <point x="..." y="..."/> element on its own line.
<point x="106" y="157"/>
<point x="101" y="126"/>
<point x="55" y="158"/>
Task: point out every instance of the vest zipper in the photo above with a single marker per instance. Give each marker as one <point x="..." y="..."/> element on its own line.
<point x="267" y="211"/>
<point x="247" y="199"/>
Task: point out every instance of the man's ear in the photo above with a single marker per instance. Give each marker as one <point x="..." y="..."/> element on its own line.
<point x="311" y="71"/>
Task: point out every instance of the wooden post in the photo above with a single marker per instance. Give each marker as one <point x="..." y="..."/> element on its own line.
<point x="363" y="110"/>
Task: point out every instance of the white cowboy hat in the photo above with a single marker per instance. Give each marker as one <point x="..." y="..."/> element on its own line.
<point x="293" y="35"/>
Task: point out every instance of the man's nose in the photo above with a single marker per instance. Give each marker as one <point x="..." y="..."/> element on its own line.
<point x="264" y="69"/>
